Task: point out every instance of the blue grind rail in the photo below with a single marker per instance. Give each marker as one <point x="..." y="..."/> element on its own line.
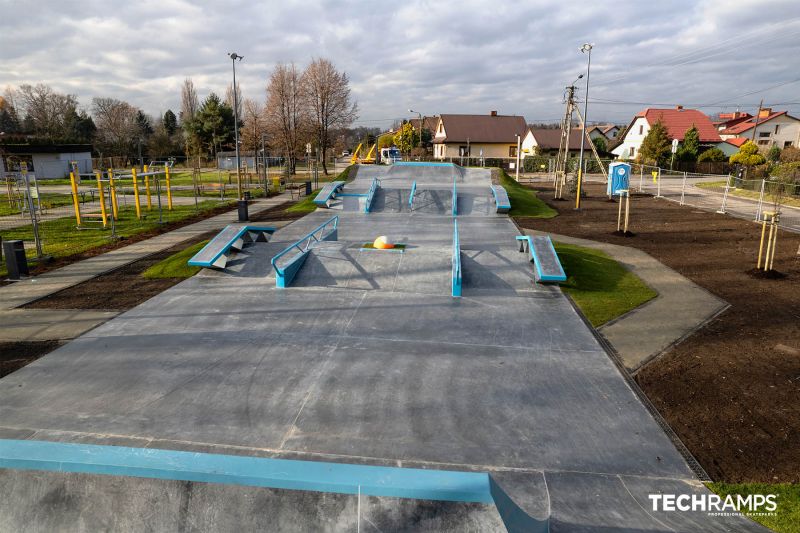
<point x="411" y="196"/>
<point x="285" y="274"/>
<point x="288" y="474"/>
<point x="456" y="274"/>
<point x="371" y="194"/>
<point x="328" y="191"/>
<point x="212" y="254"/>
<point x="455" y="199"/>
<point x="548" y="267"/>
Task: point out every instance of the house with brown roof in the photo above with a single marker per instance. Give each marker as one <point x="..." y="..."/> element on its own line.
<point x="607" y="131"/>
<point x="546" y="141"/>
<point x="488" y="136"/>
<point x="676" y="120"/>
<point x="768" y="129"/>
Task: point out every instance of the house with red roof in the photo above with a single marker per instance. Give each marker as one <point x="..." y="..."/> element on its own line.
<point x="767" y="129"/>
<point x="676" y="120"/>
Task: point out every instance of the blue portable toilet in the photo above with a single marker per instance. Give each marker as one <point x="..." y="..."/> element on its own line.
<point x="619" y="175"/>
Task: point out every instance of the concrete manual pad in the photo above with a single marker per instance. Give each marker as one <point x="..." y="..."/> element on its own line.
<point x="366" y="360"/>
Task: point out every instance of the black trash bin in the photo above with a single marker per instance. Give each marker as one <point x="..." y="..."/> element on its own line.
<point x="308" y="188"/>
<point x="243" y="216"/>
<point x="16" y="262"/>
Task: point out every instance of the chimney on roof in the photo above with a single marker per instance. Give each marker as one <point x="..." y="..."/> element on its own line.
<point x="493" y="113"/>
<point x="679" y="107"/>
<point x="765" y="112"/>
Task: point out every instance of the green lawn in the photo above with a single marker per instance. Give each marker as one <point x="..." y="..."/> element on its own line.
<point x="175" y="266"/>
<point x="47" y="201"/>
<point x="60" y="238"/>
<point x="602" y="288"/>
<point x="524" y="202"/>
<point x="746" y="193"/>
<point x="787" y="519"/>
<point x="306" y="205"/>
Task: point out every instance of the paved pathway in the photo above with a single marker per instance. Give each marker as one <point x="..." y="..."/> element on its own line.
<point x="42" y="324"/>
<point x="680" y="308"/>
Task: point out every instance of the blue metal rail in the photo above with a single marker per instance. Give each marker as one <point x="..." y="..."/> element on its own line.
<point x="411" y="196"/>
<point x="455" y="199"/>
<point x="371" y="194"/>
<point x="285" y="274"/>
<point x="456" y="284"/>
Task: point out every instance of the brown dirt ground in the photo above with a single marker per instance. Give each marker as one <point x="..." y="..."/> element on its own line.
<point x="731" y="391"/>
<point x="15" y="355"/>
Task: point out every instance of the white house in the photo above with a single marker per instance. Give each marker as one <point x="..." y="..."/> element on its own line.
<point x="771" y="129"/>
<point x="676" y="120"/>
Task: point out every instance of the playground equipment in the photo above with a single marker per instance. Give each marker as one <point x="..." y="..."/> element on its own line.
<point x="232" y="238"/>
<point x="771" y="219"/>
<point x="327" y="231"/>
<point x="547" y="265"/>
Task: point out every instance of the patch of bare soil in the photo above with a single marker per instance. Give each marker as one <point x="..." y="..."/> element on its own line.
<point x="731" y="391"/>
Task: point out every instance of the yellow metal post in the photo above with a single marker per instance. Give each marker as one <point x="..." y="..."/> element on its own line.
<point x="136" y="194"/>
<point x="147" y="188"/>
<point x="102" y="197"/>
<point x="75" y="201"/>
<point x="169" y="190"/>
<point x="113" y="189"/>
<point x="627" y="209"/>
<point x="619" y="211"/>
<point x="578" y="190"/>
<point x="769" y="247"/>
<point x="774" y="241"/>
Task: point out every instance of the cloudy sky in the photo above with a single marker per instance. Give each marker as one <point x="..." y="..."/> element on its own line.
<point x="432" y="56"/>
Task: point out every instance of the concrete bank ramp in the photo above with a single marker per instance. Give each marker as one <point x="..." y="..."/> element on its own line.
<point x="74" y="502"/>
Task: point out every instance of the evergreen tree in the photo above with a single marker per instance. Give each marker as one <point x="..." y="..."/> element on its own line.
<point x="600" y="144"/>
<point x="748" y="155"/>
<point x="170" y="122"/>
<point x="690" y="146"/>
<point x="657" y="146"/>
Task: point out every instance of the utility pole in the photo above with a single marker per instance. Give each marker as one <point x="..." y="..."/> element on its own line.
<point x="563" y="147"/>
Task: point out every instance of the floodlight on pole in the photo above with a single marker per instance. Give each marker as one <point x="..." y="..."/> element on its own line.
<point x="586" y="48"/>
<point x="234" y="57"/>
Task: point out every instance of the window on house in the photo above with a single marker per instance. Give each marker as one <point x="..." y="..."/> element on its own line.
<point x="776" y="128"/>
<point x="632" y="150"/>
<point x="463" y="151"/>
<point x="787" y="144"/>
<point x="763" y="134"/>
<point x="641" y="129"/>
<point x="512" y="151"/>
<point x="441" y="128"/>
<point x="763" y="142"/>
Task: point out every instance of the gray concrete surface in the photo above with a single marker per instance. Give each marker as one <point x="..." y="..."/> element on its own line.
<point x="365" y="362"/>
<point x="680" y="308"/>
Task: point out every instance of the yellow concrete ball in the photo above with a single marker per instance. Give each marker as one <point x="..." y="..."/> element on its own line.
<point x="382" y="243"/>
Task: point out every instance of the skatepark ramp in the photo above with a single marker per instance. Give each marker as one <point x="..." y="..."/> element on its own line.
<point x="548" y="267"/>
<point x="328" y="193"/>
<point x="231" y="239"/>
<point x="501" y="200"/>
<point x="296" y="475"/>
<point x="286" y="267"/>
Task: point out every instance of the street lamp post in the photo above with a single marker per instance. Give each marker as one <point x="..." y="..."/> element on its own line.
<point x="586" y="49"/>
<point x="518" y="148"/>
<point x="420" y="125"/>
<point x="234" y="56"/>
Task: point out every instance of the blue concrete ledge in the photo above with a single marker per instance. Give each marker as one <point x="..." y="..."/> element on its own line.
<point x="341" y="478"/>
<point x="422" y="164"/>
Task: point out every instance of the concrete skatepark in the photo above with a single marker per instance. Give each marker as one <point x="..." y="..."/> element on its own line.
<point x="366" y="359"/>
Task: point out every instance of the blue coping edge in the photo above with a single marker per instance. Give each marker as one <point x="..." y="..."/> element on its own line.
<point x="455" y="199"/>
<point x="496" y="202"/>
<point x="289" y="474"/>
<point x="422" y="164"/>
<point x="544" y="277"/>
<point x="455" y="288"/>
<point x="327" y="192"/>
<point x="285" y="275"/>
<point x="411" y="196"/>
<point x="227" y="245"/>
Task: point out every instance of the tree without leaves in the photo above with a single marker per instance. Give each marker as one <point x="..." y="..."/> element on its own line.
<point x="229" y="101"/>
<point x="46" y="112"/>
<point x="189" y="107"/>
<point x="656" y="146"/>
<point x="285" y="113"/>
<point x="327" y="94"/>
<point x="253" y="126"/>
<point x="116" y="123"/>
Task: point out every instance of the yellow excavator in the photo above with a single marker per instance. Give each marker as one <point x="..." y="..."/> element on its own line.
<point x="369" y="159"/>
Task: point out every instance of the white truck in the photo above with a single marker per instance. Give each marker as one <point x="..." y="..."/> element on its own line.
<point x="390" y="155"/>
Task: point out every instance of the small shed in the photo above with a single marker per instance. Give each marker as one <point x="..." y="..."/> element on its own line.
<point x="46" y="161"/>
